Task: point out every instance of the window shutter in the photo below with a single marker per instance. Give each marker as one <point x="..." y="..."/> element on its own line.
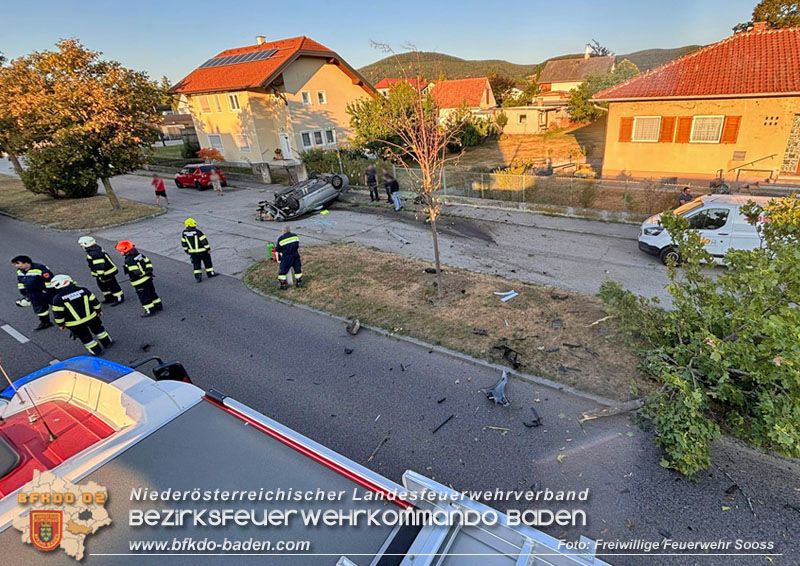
<point x="625" y="129"/>
<point x="667" y="129"/>
<point x="730" y="129"/>
<point x="684" y="129"/>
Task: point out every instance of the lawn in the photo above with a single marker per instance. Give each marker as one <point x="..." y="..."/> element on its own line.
<point x="551" y="330"/>
<point x="169" y="151"/>
<point x="558" y="145"/>
<point x="65" y="214"/>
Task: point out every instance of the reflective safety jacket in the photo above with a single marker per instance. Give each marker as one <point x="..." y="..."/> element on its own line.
<point x="36" y="283"/>
<point x="100" y="263"/>
<point x="74" y="305"/>
<point x="288" y="244"/>
<point x="138" y="267"/>
<point x="194" y="241"/>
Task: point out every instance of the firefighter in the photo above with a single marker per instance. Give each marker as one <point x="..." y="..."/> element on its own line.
<point x="195" y="243"/>
<point x="77" y="309"/>
<point x="34" y="282"/>
<point x="288" y="247"/>
<point x="138" y="267"/>
<point x="104" y="271"/>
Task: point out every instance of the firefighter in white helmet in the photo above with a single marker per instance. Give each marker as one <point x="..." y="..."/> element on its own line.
<point x="77" y="309"/>
<point x="103" y="269"/>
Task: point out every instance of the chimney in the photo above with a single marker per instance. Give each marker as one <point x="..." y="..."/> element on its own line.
<point x="760" y="26"/>
<point x="588" y="52"/>
<point x="260" y="39"/>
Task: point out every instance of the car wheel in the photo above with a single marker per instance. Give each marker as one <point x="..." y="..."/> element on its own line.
<point x="669" y="255"/>
<point x="337" y="182"/>
<point x="178" y="184"/>
<point x="198" y="186"/>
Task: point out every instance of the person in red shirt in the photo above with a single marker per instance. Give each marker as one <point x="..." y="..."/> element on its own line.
<point x="161" y="190"/>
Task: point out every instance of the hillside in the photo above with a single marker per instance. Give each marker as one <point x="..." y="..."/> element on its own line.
<point x="433" y="65"/>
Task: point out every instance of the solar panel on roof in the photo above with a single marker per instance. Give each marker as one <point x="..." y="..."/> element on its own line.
<point x="240" y="58"/>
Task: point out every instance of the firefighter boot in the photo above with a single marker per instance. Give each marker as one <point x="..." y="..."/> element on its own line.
<point x="298" y="283"/>
<point x="284" y="286"/>
<point x="44" y="322"/>
<point x="119" y="301"/>
<point x="105" y="339"/>
<point x="198" y="277"/>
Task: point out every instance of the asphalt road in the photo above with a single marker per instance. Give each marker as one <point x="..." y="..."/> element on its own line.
<point x="291" y="365"/>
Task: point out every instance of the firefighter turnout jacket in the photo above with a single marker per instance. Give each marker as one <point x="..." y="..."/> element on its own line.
<point x="35" y="284"/>
<point x="194" y="241"/>
<point x="288" y="244"/>
<point x="100" y="263"/>
<point x="74" y="306"/>
<point x="138" y="267"/>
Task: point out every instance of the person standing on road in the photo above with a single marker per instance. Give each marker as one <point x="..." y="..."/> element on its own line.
<point x="195" y="243"/>
<point x="161" y="190"/>
<point x="288" y="246"/>
<point x="216" y="182"/>
<point x="34" y="282"/>
<point x="371" y="180"/>
<point x="393" y="188"/>
<point x="77" y="309"/>
<point x="104" y="271"/>
<point x="140" y="270"/>
<point x="685" y="196"/>
<point x="386" y="176"/>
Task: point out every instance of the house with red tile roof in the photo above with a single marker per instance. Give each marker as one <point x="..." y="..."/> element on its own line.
<point x="385" y="84"/>
<point x="272" y="99"/>
<point x="476" y="94"/>
<point x="730" y="109"/>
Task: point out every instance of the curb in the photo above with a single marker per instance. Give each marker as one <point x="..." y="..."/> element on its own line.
<point x="77" y="230"/>
<point x="451" y="353"/>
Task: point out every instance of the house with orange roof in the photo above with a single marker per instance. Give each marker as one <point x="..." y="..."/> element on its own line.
<point x="728" y="110"/>
<point x="272" y="100"/>
<point x="385" y="84"/>
<point x="476" y="94"/>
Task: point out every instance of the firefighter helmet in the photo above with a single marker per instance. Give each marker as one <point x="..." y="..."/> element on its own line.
<point x="190" y="223"/>
<point x="124" y="246"/>
<point x="86" y="241"/>
<point x="61" y="281"/>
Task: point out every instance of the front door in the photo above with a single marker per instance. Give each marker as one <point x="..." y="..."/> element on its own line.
<point x="286" y="149"/>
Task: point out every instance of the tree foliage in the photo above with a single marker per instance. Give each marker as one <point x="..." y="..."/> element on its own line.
<point x="210" y="154"/>
<point x="72" y="97"/>
<point x="777" y="13"/>
<point x="599" y="50"/>
<point x="580" y="106"/>
<point x="529" y="92"/>
<point x="501" y="85"/>
<point x="728" y="352"/>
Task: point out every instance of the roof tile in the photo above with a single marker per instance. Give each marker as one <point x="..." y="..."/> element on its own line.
<point x="452" y="94"/>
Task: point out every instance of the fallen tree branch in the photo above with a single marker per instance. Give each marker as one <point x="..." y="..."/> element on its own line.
<point x="610" y="411"/>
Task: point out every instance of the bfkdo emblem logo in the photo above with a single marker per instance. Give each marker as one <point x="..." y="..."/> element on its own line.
<point x="46" y="529"/>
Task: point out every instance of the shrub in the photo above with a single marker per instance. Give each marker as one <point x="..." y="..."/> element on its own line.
<point x="189" y="149"/>
<point x="728" y="353"/>
<point x="60" y="170"/>
<point x="209" y="154"/>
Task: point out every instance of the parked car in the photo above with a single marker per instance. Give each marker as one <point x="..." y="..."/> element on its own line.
<point x="718" y="219"/>
<point x="198" y="176"/>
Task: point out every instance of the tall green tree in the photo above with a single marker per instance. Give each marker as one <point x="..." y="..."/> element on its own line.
<point x="580" y="106"/>
<point x="777" y="13"/>
<point x="501" y="85"/>
<point x="73" y="97"/>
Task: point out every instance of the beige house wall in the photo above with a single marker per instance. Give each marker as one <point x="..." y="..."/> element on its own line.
<point x="228" y="123"/>
<point x="760" y="135"/>
<point x="531" y="124"/>
<point x="565" y="86"/>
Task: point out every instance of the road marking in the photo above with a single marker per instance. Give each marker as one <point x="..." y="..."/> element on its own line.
<point x="21" y="338"/>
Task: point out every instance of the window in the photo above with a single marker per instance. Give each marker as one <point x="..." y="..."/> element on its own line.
<point x="205" y="107"/>
<point x="711" y="219"/>
<point x="215" y="140"/>
<point x="646" y="128"/>
<point x="330" y="136"/>
<point x="208" y="168"/>
<point x="523" y="118"/>
<point x="233" y="102"/>
<point x="243" y="142"/>
<point x="306" y="138"/>
<point x="217" y="103"/>
<point x="306" y="97"/>
<point x="321" y="97"/>
<point x="707" y="129"/>
<point x="317" y="137"/>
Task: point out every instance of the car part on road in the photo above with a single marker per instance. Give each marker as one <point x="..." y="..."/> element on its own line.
<point x="398" y="237"/>
<point x="510" y="355"/>
<point x="304" y="197"/>
<point x="497" y="392"/>
<point x="353" y="327"/>
<point x="447" y="420"/>
<point x="537" y="420"/>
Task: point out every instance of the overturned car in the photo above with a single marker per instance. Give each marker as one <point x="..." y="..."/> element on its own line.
<point x="303" y="197"/>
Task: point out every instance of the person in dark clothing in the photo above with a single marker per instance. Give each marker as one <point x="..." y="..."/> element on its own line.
<point x="393" y="188"/>
<point x="288" y="247"/>
<point x="195" y="243"/>
<point x="386" y="185"/>
<point x="34" y="282"/>
<point x="140" y="270"/>
<point x="371" y="180"/>
<point x="77" y="309"/>
<point x="685" y="196"/>
<point x="104" y="271"/>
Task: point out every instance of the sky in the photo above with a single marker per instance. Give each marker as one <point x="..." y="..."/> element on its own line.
<point x="172" y="38"/>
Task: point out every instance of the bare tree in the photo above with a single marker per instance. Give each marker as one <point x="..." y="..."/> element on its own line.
<point x="422" y="149"/>
<point x="599" y="50"/>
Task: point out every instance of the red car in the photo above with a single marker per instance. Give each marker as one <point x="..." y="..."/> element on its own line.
<point x="198" y="176"/>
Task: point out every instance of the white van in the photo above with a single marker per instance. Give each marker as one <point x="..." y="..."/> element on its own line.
<point x="718" y="219"/>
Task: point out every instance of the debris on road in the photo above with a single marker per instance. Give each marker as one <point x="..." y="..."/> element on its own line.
<point x="353" y="327"/>
<point x="398" y="237"/>
<point x="447" y="420"/>
<point x="563" y="369"/>
<point x="144" y="347"/>
<point x="537" y="420"/>
<point x="497" y="392"/>
<point x="348" y="351"/>
<point x="442" y="400"/>
<point x="510" y="355"/>
<point x="479" y="331"/>
<point x="556" y="296"/>
<point x="429" y="270"/>
<point x="609" y="411"/>
<point x="558" y="324"/>
<point x="605" y="318"/>
<point x="507" y="296"/>
<point x="551" y="350"/>
<point x="500" y="428"/>
<point x="378" y="447"/>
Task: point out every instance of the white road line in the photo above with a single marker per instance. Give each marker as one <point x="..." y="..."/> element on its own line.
<point x="21" y="338"/>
